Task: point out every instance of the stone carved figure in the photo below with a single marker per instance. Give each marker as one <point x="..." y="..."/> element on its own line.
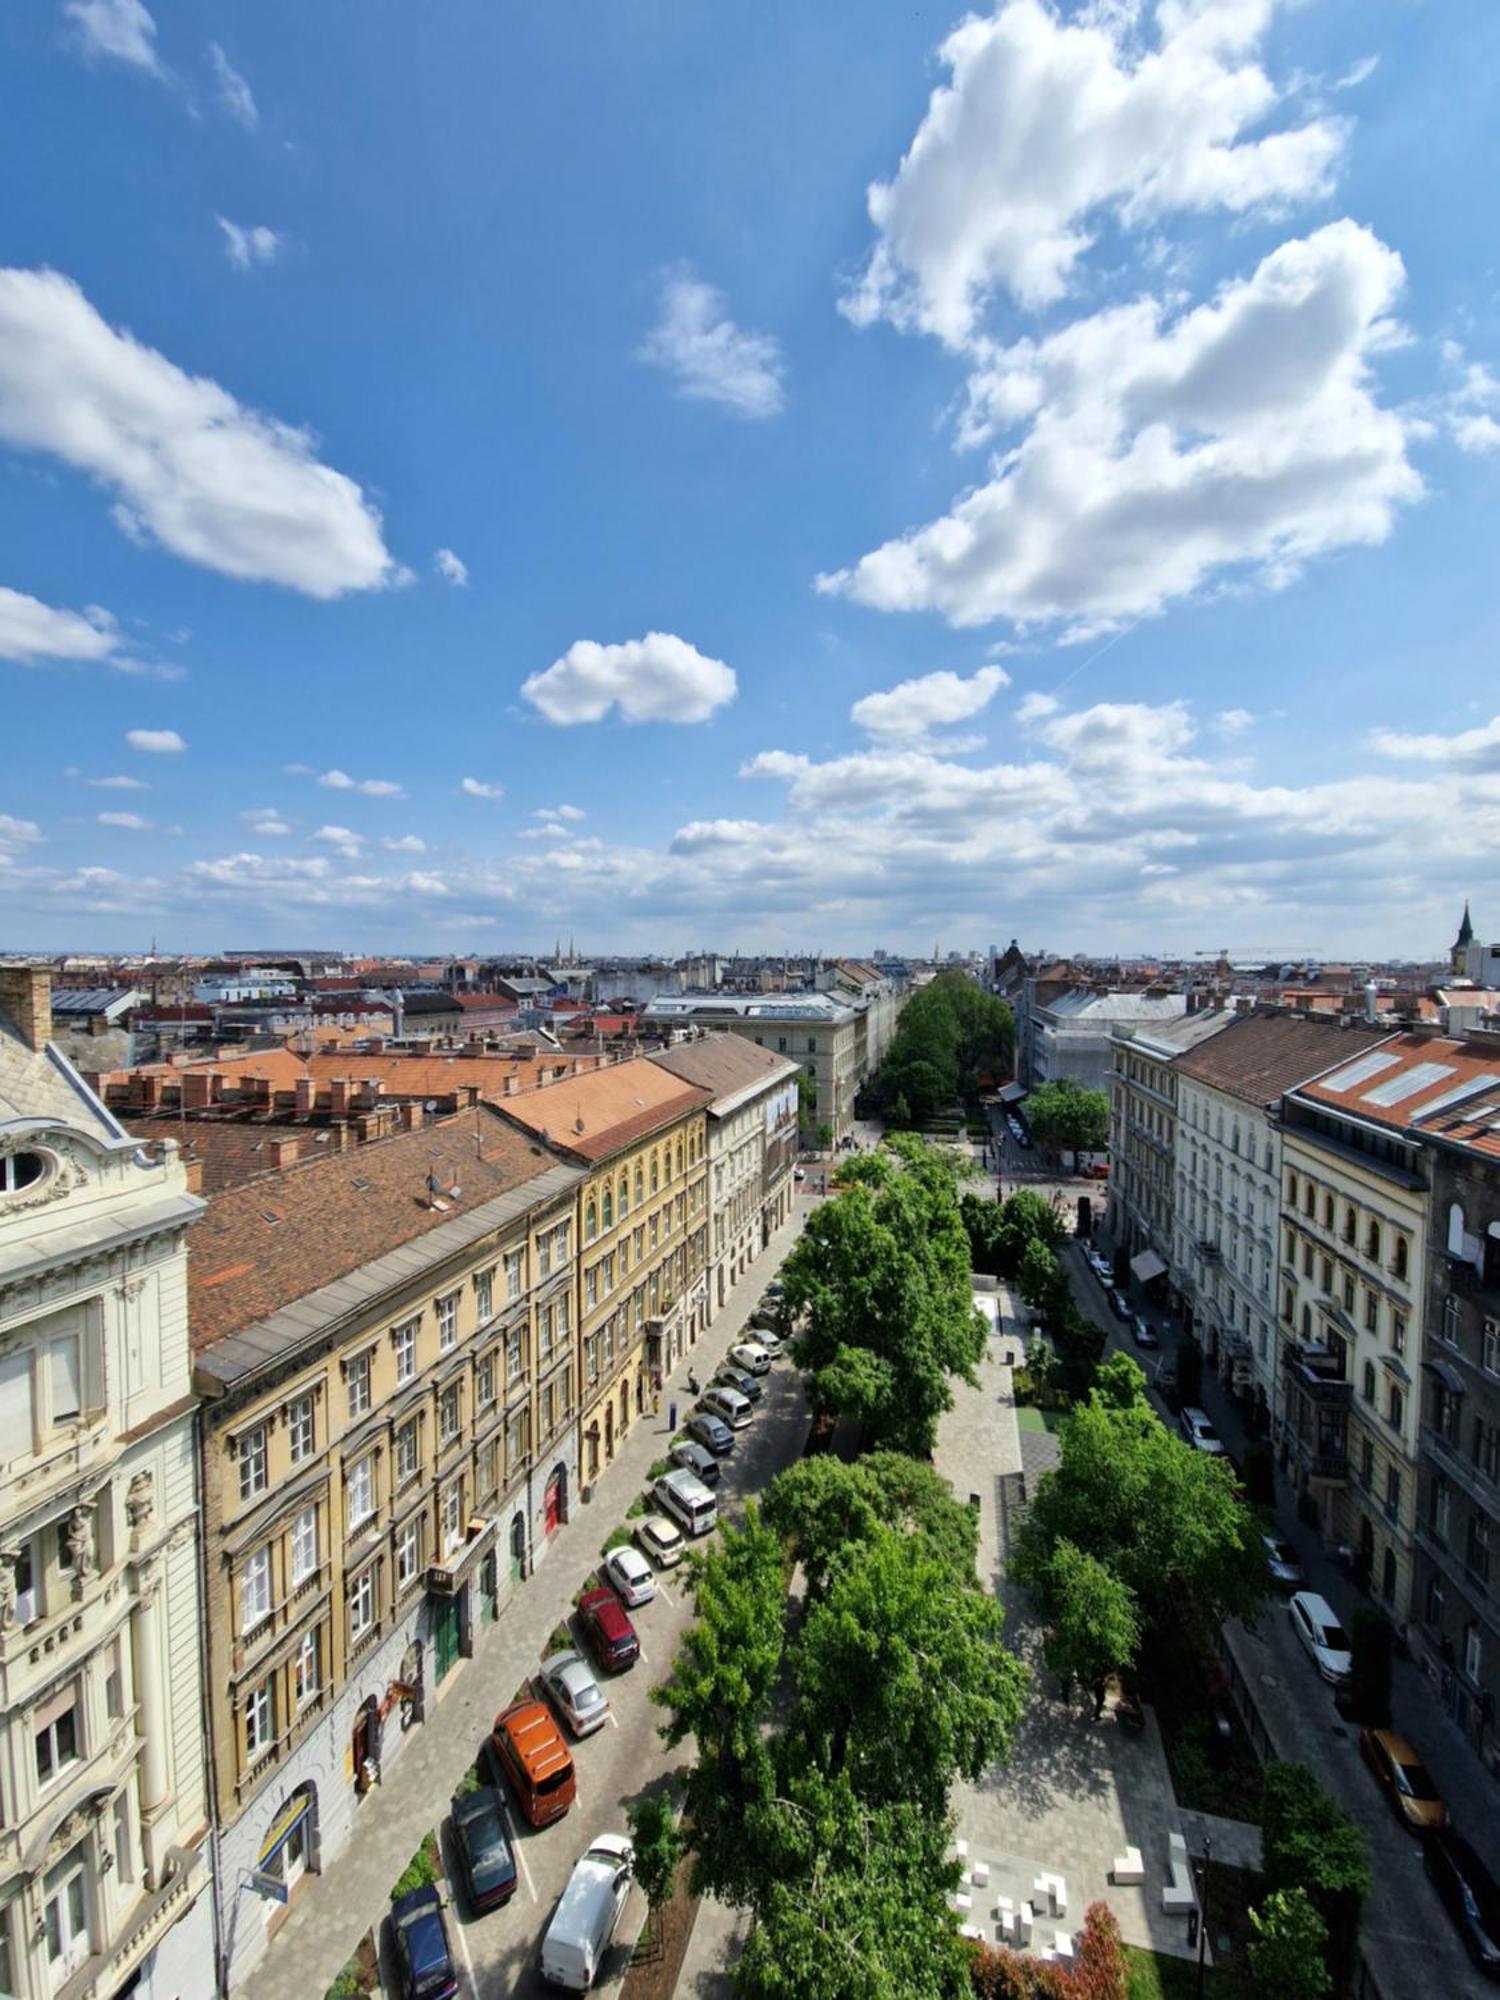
<point x="140" y="1501"/>
<point x="7" y="1588"/>
<point x="81" y="1546"/>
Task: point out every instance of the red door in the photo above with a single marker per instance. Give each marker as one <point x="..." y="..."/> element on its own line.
<point x="552" y="1504"/>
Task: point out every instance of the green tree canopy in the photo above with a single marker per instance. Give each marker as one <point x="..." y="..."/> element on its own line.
<point x="1066" y="1117"/>
<point x="1285" y="1953"/>
<point x="821" y="1505"/>
<point x="950" y="1034"/>
<point x="1309" y="1843"/>
<point x="1094" y="1627"/>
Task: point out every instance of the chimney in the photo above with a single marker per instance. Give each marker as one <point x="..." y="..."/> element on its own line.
<point x="284" y="1152"/>
<point x="26" y="996"/>
<point x="194" y="1171"/>
<point x="413" y="1116"/>
<point x="198" y="1090"/>
<point x="148" y="1088"/>
<point x="307" y="1090"/>
<point x="338" y="1096"/>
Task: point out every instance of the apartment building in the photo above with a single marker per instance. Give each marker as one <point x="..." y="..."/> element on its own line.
<point x="1227" y="1186"/>
<point x="1356" y="1255"/>
<point x="384" y="1348"/>
<point x="752" y="1147"/>
<point x="1455" y="1622"/>
<point x="103" y="1801"/>
<point x="825" y="1034"/>
<point x="640" y="1135"/>
<point x="1071" y="1033"/>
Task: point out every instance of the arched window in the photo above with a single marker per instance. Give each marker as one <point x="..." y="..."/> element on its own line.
<point x="679" y="1158"/>
<point x="1456" y="1230"/>
<point x="1397" y="1409"/>
<point x="640" y="1184"/>
<point x="609" y="1209"/>
<point x="624" y="1197"/>
<point x="1328" y="1211"/>
<point x="590" y="1223"/>
<point x="1400" y="1257"/>
<point x="655" y="1173"/>
<point x="1368" y="1383"/>
<point x="1372" y="1240"/>
<point x="1291" y="1190"/>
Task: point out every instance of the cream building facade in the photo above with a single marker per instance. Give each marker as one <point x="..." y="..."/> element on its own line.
<point x="103" y="1802"/>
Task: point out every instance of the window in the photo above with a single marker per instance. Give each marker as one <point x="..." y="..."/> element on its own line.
<point x="514" y="1266"/>
<point x="124" y="1850"/>
<point x="1398" y="1332"/>
<point x="1435" y="1600"/>
<point x="307" y="1674"/>
<point x="56" y="1735"/>
<point x="362" y="1603"/>
<point x="560" y="1235"/>
<point x="518" y="1438"/>
<point x="484" y="1382"/>
<point x="448" y="1413"/>
<point x="357" y="1386"/>
<point x="404" y="1340"/>
<point x="1372" y="1241"/>
<point x="260" y="1721"/>
<point x="1327" y="1277"/>
<point x="407" y="1455"/>
<point x="1396" y="1409"/>
<point x="1327" y="1199"/>
<point x="489" y="1473"/>
<point x="590" y="1223"/>
<point x="17" y="1171"/>
<point x="1399" y="1261"/>
<point x="1392" y="1493"/>
<point x="1348" y="1292"/>
<point x="361" y="1490"/>
<point x="1366" y="1463"/>
<point x="1477" y="1549"/>
<point x="1307" y="1260"/>
<point x="408" y="1554"/>
<point x="609" y="1271"/>
<point x="623" y="1198"/>
<point x="1489" y="1347"/>
<point x="453" y="1517"/>
<point x="514" y="1360"/>
<point x="544" y="1332"/>
<point x="640" y="1185"/>
<point x="1449" y="1326"/>
<point x="304" y="1545"/>
<point x="607" y="1206"/>
<point x="655" y="1173"/>
<point x="1350" y="1225"/>
<point x="544" y="1255"/>
<point x="1472" y="1654"/>
<point x="65" y="1916"/>
<point x="484" y="1295"/>
<point x="114" y="1685"/>
<point x="1447" y="1407"/>
<point x="1442" y="1508"/>
<point x="1487" y="1448"/>
<point x="591" y="1286"/>
<point x="254" y="1463"/>
<point x="1367" y="1382"/>
<point x="255" y="1591"/>
<point x="301" y="1429"/>
<point x="1291" y="1190"/>
<point x="1372" y="1312"/>
<point x="65" y="1379"/>
<point x="562" y="1317"/>
<point x="447" y="1318"/>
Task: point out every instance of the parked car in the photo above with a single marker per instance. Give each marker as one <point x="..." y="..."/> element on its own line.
<point x="730" y="1377"/>
<point x="771" y="1342"/>
<point x="687" y="1501"/>
<point x="1404" y="1779"/>
<point x="574" y="1691"/>
<point x="1119" y="1305"/>
<point x="606" y="1626"/>
<point x="424" y="1962"/>
<point x="774" y="1292"/>
<point x="728" y="1405"/>
<point x="661" y="1539"/>
<point x="704" y="1428"/>
<point x="1199" y="1432"/>
<point x="528" y="1748"/>
<point x="584" y="1921"/>
<point x="1316" y="1625"/>
<point x="1145" y="1333"/>
<point x="698" y="1458"/>
<point x="482" y="1837"/>
<point x="765" y="1318"/>
<point x="751" y="1356"/>
<point x="630" y="1576"/>
<point x="1469" y="1894"/>
<point x="1282" y="1566"/>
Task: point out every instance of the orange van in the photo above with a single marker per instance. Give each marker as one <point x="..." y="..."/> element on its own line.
<point x="529" y="1749"/>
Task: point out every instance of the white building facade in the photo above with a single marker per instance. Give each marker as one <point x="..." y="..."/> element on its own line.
<point x="103" y="1794"/>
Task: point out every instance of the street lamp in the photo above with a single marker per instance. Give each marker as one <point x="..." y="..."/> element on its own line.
<point x="1208" y="1855"/>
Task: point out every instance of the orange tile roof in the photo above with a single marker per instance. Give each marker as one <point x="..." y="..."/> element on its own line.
<point x="1409" y="1081"/>
<point x="596" y="1116"/>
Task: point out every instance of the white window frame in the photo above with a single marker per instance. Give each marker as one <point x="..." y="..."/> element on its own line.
<point x="450" y="1414"/>
<point x="255" y="1590"/>
<point x="301" y="1428"/>
<point x="514" y="1273"/>
<point x="253" y="1450"/>
<point x="307" y="1669"/>
<point x="260" y="1719"/>
<point x="484" y="1295"/>
<point x="362" y="1605"/>
<point x="360" y="1479"/>
<point x="357" y="1386"/>
<point x="447" y="1319"/>
<point x="409" y="1554"/>
<point x="304" y="1546"/>
<point x="50" y="1733"/>
<point x="404" y="1344"/>
<point x="453" y="1516"/>
<point x="408" y="1443"/>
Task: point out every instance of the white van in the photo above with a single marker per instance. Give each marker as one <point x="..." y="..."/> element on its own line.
<point x="727" y="1404"/>
<point x="584" y="1921"/>
<point x="683" y="1495"/>
<point x="1200" y="1433"/>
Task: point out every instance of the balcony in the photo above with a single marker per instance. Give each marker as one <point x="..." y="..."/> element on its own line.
<point x="1209" y="1250"/>
<point x="1329" y="1468"/>
<point x="1462" y="1470"/>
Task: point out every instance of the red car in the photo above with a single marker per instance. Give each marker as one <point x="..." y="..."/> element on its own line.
<point x="608" y="1630"/>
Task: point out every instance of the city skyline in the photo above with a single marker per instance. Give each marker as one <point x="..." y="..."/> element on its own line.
<point x="441" y="501"/>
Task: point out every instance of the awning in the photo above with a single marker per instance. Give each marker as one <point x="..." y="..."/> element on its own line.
<point x="1448" y="1375"/>
<point x="1012" y="1093"/>
<point x="284" y="1826"/>
<point x="1147" y="1266"/>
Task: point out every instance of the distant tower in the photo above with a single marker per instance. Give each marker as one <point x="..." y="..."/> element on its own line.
<point x="1462" y="942"/>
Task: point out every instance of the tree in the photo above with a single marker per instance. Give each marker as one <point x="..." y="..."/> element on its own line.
<point x="1065" y="1117"/>
<point x="1285" y="1956"/>
<point x="1120" y="1383"/>
<point x="1094" y="1627"/>
<point x="1370" y="1669"/>
<point x="1043" y="1284"/>
<point x="1308" y="1843"/>
<point x="951" y="1035"/>
<point x="821" y="1505"/>
<point x="657" y="1837"/>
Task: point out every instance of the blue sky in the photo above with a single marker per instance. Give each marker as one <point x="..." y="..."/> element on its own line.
<point x="778" y="477"/>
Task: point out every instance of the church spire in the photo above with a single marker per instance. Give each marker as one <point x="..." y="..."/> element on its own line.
<point x="1465" y="929"/>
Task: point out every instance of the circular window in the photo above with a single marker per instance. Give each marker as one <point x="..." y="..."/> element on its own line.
<point x="21" y="1170"/>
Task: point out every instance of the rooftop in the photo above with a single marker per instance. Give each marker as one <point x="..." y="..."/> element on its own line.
<point x="819" y="1008"/>
<point x="728" y="1065"/>
<point x="1261" y="1055"/>
<point x="594" y="1116"/>
<point x="1422" y="1082"/>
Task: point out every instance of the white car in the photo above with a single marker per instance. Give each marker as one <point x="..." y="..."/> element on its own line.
<point x="751" y="1356"/>
<point x="728" y="1405"/>
<point x="1200" y="1433"/>
<point x="1316" y="1624"/>
<point x="575" y="1692"/>
<point x="629" y="1574"/>
<point x="771" y="1342"/>
<point x="583" y="1925"/>
<point x="661" y="1539"/>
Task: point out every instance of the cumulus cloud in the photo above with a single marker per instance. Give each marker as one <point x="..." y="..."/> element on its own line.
<point x="340" y="781"/>
<point x="1048" y="127"/>
<point x="1233" y="721"/>
<point x="1471" y="411"/>
<point x="32" y="632"/>
<point x="1159" y="454"/>
<point x="478" y="788"/>
<point x="408" y="843"/>
<point x="660" y="678"/>
<point x="1036" y="707"/>
<point x="709" y="358"/>
<point x="266" y="821"/>
<point x="255" y="244"/>
<point x="343" y="838"/>
<point x="118" y="784"/>
<point x="191" y="468"/>
<point x="933" y="701"/>
<point x="126" y="822"/>
<point x="570" y="814"/>
<point x="1477" y="748"/>
<point x="451" y="567"/>
<point x="16" y="834"/>
<point x="158" y="742"/>
<point x="234" y="93"/>
<point x="119" y="30"/>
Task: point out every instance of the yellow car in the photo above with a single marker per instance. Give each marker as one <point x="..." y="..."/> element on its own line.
<point x="1405" y="1780"/>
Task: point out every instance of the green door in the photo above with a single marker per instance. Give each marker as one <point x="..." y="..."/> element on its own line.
<point x="445" y="1634"/>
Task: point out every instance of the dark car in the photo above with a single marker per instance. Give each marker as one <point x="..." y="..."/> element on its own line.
<point x="766" y="1318"/>
<point x="1468" y="1890"/>
<point x="729" y="1377"/>
<point x="1145" y="1333"/>
<point x="420" y="1938"/>
<point x="608" y="1630"/>
<point x="695" y="1457"/>
<point x="1282" y="1565"/>
<point x="1119" y="1305"/>
<point x="483" y="1839"/>
<point x="712" y="1432"/>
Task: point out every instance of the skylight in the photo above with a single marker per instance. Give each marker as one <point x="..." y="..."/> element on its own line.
<point x="1421" y="1077"/>
<point x="1358" y="1072"/>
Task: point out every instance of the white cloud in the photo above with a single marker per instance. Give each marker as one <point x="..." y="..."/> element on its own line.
<point x="214" y="482"/>
<point x="451" y="567"/>
<point x="159" y="742"/>
<point x="1478" y="748"/>
<point x="408" y="843"/>
<point x="122" y="30"/>
<point x="267" y="822"/>
<point x="234" y="93"/>
<point x="478" y="789"/>
<point x="31" y="631"/>
<point x="340" y="781"/>
<point x="1048" y="127"/>
<point x="1233" y="721"/>
<point x="660" y="678"/>
<point x="710" y="359"/>
<point x="424" y="883"/>
<point x="255" y="244"/>
<point x="343" y="838"/>
<point x="126" y="822"/>
<point x="1036" y="707"/>
<point x="912" y="709"/>
<point x="1470" y="410"/>
<point x="118" y="784"/>
<point x="17" y="833"/>
<point x="571" y="815"/>
<point x="1358" y="73"/>
<point x="1159" y="455"/>
<point x="1476" y="432"/>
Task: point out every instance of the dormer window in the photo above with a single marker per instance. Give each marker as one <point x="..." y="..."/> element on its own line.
<point x="19" y="1171"/>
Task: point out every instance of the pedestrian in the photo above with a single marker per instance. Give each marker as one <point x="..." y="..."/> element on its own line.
<point x="656" y="1402"/>
<point x="692" y="1383"/>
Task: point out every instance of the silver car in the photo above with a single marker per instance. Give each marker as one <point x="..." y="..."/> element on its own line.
<point x="574" y="1692"/>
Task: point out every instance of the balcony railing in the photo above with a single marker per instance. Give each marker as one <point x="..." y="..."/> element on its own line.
<point x="1310" y="1370"/>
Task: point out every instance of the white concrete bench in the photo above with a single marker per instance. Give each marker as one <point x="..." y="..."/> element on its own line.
<point x="1062" y="1948"/>
<point x="1128" y="1868"/>
<point x="979" y="1875"/>
<point x="1178" y="1893"/>
<point x="1005" y="1920"/>
<point x="1051" y="1892"/>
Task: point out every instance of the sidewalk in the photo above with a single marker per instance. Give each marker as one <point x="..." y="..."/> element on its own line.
<point x="333" y="1910"/>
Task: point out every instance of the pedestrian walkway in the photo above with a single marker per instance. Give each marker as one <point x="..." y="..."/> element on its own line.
<point x="334" y="1910"/>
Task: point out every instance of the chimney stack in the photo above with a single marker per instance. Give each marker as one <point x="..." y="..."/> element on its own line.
<point x="26" y="996"/>
<point x="284" y="1152"/>
<point x="306" y="1094"/>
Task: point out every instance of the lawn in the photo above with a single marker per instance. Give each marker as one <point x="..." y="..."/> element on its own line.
<point x="1154" y="1976"/>
<point x="1030" y="1418"/>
